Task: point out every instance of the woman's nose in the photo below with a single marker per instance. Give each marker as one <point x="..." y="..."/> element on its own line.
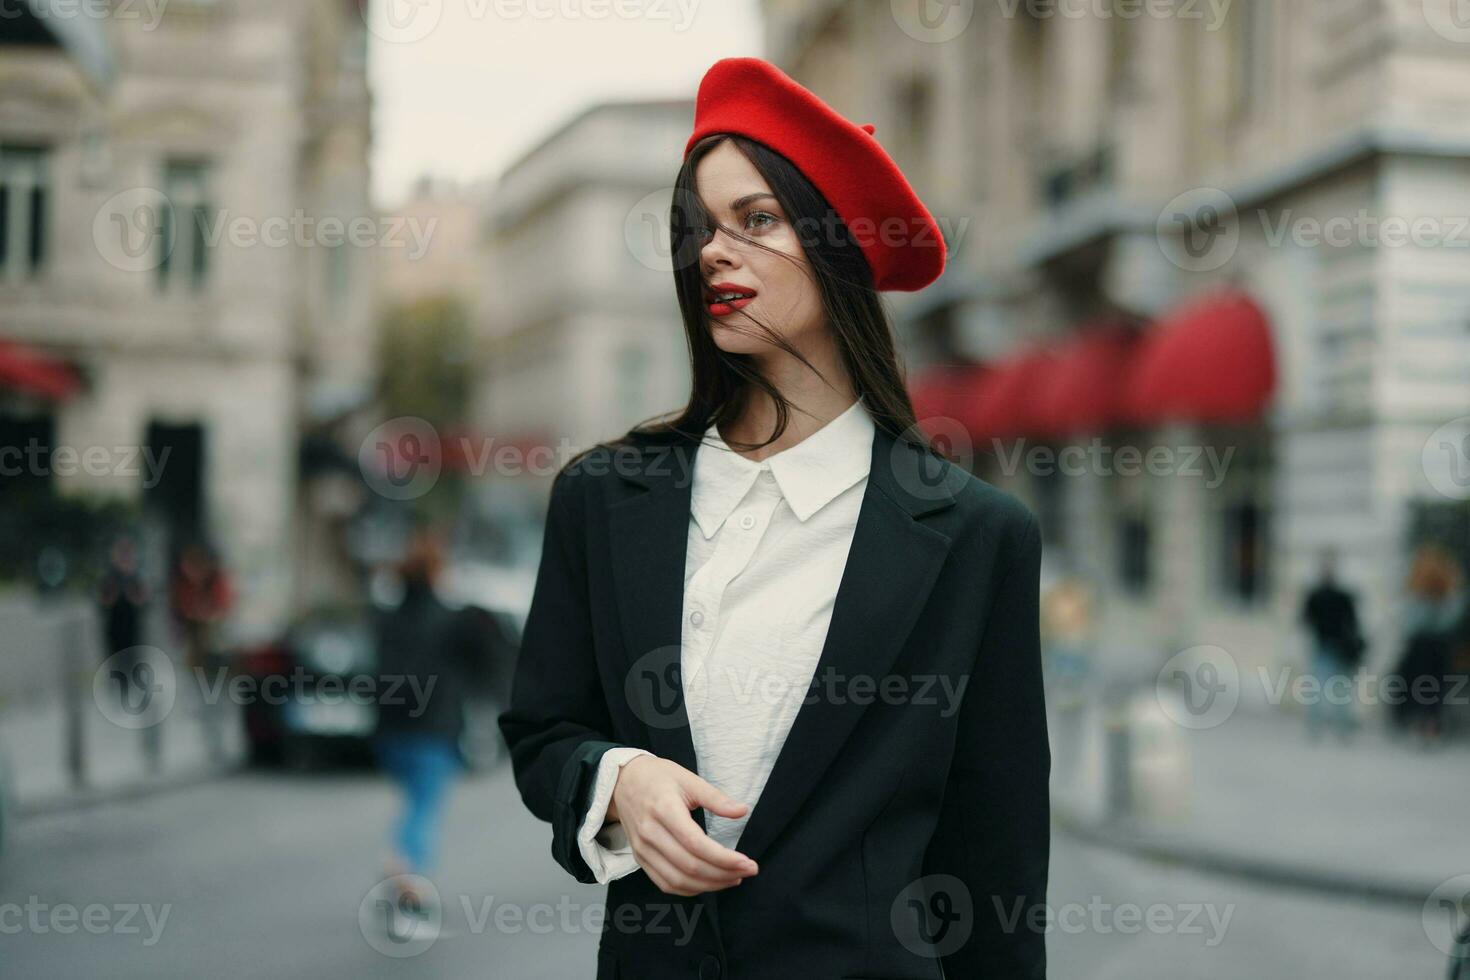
<point x="718" y="251"/>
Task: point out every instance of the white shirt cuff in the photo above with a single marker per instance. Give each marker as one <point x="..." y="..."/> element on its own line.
<point x="605" y="848"/>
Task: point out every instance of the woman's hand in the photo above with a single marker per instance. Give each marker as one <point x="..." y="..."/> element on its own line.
<point x="652" y="799"/>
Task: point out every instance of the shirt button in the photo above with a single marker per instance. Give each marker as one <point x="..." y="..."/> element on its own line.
<point x="709" y="968"/>
<point x="696" y="617"/>
<point x="748" y="521"/>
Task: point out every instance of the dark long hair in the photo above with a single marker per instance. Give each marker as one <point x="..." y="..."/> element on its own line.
<point x="722" y="382"/>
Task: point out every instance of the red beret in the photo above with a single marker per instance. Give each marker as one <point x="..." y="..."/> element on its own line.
<point x="897" y="234"/>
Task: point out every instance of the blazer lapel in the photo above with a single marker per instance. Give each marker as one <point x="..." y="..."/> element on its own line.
<point x="649" y="534"/>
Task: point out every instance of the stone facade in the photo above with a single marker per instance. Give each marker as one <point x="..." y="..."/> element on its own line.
<point x="257" y="114"/>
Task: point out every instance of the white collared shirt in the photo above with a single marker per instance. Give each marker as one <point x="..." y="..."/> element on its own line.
<point x="768" y="542"/>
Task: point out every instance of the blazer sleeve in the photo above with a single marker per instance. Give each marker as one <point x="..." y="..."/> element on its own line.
<point x="557" y="725"/>
<point x="994" y="831"/>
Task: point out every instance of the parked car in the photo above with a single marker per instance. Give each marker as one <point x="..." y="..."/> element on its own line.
<point x="327" y="653"/>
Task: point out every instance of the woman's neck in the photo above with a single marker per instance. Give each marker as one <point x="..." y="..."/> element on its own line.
<point x="812" y="407"/>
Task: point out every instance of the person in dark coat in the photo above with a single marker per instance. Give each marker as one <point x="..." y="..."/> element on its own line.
<point x="425" y="652"/>
<point x="1330" y="613"/>
<point x="122" y="598"/>
<point x="1433" y="611"/>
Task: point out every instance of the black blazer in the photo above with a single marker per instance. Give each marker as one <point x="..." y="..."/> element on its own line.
<point x="901" y="827"/>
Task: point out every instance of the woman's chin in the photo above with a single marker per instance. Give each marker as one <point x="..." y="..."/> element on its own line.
<point x="732" y="339"/>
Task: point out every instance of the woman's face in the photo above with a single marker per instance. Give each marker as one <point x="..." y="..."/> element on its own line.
<point x="779" y="290"/>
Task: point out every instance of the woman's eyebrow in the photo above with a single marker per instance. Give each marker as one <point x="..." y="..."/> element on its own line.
<point x="741" y="202"/>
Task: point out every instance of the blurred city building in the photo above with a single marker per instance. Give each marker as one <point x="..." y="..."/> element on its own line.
<point x="169" y="280"/>
<point x="584" y="337"/>
<point x="452" y="261"/>
<point x="1178" y="235"/>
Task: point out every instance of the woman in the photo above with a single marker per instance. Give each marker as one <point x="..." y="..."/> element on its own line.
<point x="425" y="651"/>
<point x="780" y="683"/>
<point x="1432" y="614"/>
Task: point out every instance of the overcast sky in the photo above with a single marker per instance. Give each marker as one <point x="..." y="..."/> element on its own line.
<point x="463" y="87"/>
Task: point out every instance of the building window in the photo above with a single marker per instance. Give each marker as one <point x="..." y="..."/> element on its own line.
<point x="1050" y="497"/>
<point x="184" y="241"/>
<point x="1243" y="519"/>
<point x="1243" y="551"/>
<point x="1135" y="569"/>
<point x="24" y="202"/>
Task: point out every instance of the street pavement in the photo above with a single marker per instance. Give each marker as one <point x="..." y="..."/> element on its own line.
<point x="269" y="875"/>
<point x="1371" y="814"/>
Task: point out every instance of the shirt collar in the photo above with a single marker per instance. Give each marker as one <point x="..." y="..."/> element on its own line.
<point x="809" y="474"/>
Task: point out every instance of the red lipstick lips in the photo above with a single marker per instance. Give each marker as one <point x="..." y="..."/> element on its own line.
<point x="724" y="298"/>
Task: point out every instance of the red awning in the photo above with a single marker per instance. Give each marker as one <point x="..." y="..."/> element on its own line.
<point x="34" y="373"/>
<point x="1005" y="408"/>
<point x="945" y="395"/>
<point x="1084" y="391"/>
<point x="1211" y="360"/>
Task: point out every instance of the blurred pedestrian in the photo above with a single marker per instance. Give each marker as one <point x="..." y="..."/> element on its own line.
<point x="425" y="650"/>
<point x="1330" y="614"/>
<point x="1433" y="612"/>
<point x="1067" y="638"/>
<point x="122" y="600"/>
<point x="201" y="596"/>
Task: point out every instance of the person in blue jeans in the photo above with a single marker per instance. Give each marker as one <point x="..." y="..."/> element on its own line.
<point x="1330" y="614"/>
<point x="425" y="651"/>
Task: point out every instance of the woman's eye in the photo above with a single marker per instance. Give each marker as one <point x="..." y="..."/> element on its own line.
<point x="751" y="220"/>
